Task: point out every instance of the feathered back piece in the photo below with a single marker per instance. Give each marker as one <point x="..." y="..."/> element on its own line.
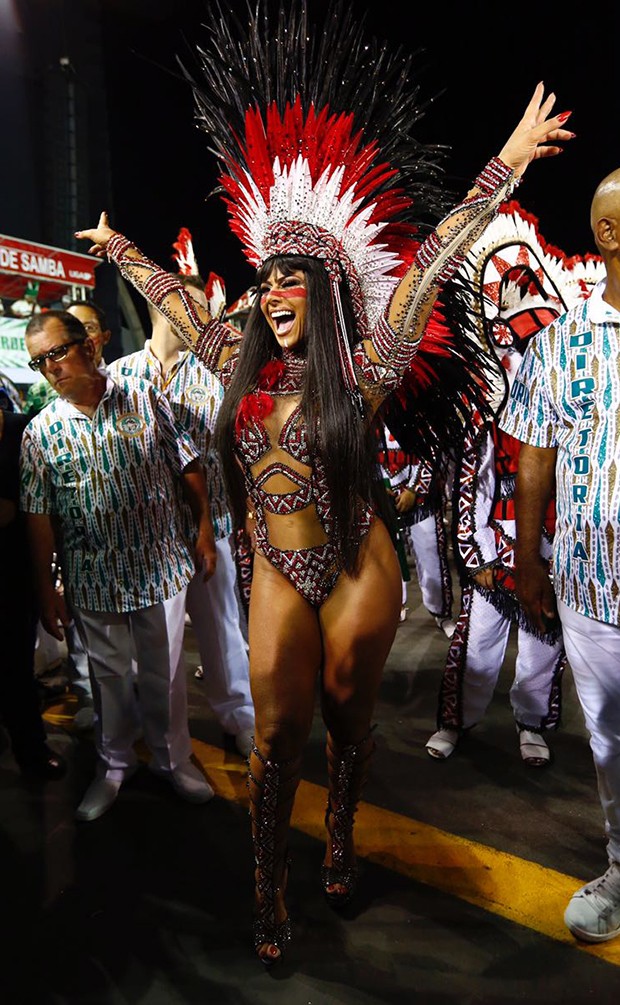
<point x="313" y="129"/>
<point x="512" y="283"/>
<point x="519" y="283"/>
<point x="511" y="262"/>
<point x="449" y="386"/>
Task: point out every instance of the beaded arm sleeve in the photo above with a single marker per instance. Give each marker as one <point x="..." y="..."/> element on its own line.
<point x="382" y="362"/>
<point x="213" y="342"/>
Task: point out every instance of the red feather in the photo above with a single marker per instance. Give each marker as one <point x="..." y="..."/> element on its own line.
<point x="258" y="404"/>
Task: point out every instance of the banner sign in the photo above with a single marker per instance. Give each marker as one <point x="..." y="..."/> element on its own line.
<point x="13" y="353"/>
<point x="40" y="261"/>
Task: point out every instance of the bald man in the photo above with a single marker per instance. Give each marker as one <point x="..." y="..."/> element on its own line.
<point x="565" y="407"/>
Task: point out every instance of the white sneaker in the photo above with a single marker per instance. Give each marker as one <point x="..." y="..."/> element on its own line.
<point x="102" y="793"/>
<point x="593" y="912"/>
<point x="447" y="625"/>
<point x="187" y="781"/>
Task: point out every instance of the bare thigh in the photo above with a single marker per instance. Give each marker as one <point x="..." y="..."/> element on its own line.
<point x="286" y="653"/>
<point x="358" y="624"/>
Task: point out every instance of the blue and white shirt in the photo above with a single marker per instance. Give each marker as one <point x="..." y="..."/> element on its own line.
<point x="566" y="394"/>
<point x="113" y="484"/>
<point x="195" y="395"/>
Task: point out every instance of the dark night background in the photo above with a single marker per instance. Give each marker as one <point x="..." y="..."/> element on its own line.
<point x="484" y="58"/>
<point x="141" y="157"/>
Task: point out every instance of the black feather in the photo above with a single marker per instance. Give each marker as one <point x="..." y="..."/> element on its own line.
<point x="275" y="53"/>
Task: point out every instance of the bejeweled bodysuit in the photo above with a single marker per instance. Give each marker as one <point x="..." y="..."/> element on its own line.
<point x="284" y="480"/>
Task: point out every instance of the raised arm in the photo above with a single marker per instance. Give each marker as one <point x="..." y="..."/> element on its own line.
<point x="535" y="136"/>
<point x="212" y="341"/>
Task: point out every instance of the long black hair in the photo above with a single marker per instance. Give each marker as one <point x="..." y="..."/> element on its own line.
<point x="337" y="432"/>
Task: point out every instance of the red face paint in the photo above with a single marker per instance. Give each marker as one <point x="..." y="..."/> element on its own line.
<point x="291" y="292"/>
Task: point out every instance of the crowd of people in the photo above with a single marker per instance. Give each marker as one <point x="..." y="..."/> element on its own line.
<point x="155" y="477"/>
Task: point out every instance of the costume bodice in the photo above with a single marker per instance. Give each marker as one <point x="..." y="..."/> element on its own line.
<point x="283" y="477"/>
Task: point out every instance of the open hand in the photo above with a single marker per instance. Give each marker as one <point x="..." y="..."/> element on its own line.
<point x="405" y="501"/>
<point x="100" y="235"/>
<point x="536" y="135"/>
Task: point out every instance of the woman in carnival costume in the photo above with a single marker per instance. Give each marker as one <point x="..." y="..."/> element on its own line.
<point x="327" y="189"/>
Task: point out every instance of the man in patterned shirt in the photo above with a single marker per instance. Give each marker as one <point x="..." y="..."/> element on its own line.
<point x="195" y="394"/>
<point x="102" y="470"/>
<point x="565" y="407"/>
<point x="39" y="395"/>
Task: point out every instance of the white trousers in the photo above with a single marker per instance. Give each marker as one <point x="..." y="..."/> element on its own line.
<point x="214" y="611"/>
<point x="152" y="701"/>
<point x="429" y="548"/>
<point x="474" y="662"/>
<point x="593" y="650"/>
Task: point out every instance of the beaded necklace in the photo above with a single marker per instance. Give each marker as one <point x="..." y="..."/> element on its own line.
<point x="280" y="377"/>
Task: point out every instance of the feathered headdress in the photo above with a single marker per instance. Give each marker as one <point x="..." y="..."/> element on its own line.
<point x="215" y="288"/>
<point x="314" y="136"/>
<point x="216" y="295"/>
<point x="512" y="258"/>
<point x="518" y="282"/>
<point x="184" y="254"/>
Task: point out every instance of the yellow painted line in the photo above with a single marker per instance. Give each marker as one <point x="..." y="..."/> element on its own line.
<point x="61" y="712"/>
<point x="520" y="891"/>
<point x="513" y="888"/>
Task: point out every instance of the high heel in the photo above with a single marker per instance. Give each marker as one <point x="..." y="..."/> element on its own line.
<point x="268" y="933"/>
<point x="338" y="875"/>
<point x="271" y="799"/>
<point x="347" y="769"/>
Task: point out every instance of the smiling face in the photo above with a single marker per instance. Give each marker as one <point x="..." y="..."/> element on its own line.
<point x="283" y="301"/>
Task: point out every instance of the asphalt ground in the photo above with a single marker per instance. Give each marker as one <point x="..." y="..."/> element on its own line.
<point x="466" y="867"/>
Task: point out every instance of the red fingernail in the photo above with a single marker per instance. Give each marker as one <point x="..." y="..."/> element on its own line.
<point x="564" y="115"/>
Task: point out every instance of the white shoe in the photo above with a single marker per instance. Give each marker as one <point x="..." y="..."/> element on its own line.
<point x="243" y="742"/>
<point x="101" y="794"/>
<point x="187" y="781"/>
<point x="593" y="912"/>
<point x="534" y="750"/>
<point x="447" y="625"/>
<point x="442" y="743"/>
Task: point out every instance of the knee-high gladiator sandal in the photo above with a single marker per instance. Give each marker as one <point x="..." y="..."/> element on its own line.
<point x="272" y="788"/>
<point x="347" y="769"/>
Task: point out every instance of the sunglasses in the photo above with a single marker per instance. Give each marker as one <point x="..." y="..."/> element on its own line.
<point x="56" y="354"/>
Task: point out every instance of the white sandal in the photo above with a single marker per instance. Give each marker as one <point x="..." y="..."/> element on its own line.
<point x="534" y="750"/>
<point x="442" y="743"/>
